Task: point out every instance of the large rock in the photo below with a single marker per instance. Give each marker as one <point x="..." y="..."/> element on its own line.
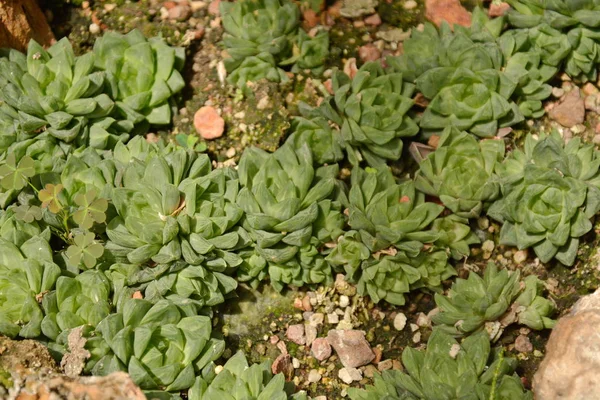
<point x="571" y="368"/>
<point x="451" y="11"/>
<point x="351" y="346"/>
<point x="571" y="111"/>
<point x="20" y="21"/>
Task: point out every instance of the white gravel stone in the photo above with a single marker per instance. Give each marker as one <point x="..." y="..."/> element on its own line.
<point x="399" y="321"/>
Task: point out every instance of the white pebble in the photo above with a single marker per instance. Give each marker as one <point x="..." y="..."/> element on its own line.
<point x="399" y="321"/>
<point x="94" y="29"/>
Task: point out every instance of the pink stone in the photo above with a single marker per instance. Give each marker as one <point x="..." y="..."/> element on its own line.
<point x="208" y="123"/>
<point x="296" y="334"/>
<point x="321" y="349"/>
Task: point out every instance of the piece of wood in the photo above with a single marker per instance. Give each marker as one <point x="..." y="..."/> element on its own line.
<point x="22" y="20"/>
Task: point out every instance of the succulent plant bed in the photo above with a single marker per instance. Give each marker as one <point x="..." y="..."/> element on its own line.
<point x="271" y="199"/>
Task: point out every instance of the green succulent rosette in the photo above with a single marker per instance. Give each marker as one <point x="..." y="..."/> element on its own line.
<point x="161" y="346"/>
<point x="27" y="273"/>
<point x="82" y="300"/>
<point x="289" y="212"/>
<point x="142" y="76"/>
<point x="448" y="369"/>
<point x="475" y="301"/>
<point x="454" y="236"/>
<point x="461" y="172"/>
<point x="263" y="36"/>
<point x="550" y="193"/>
<point x="238" y="380"/>
<point x="366" y="117"/>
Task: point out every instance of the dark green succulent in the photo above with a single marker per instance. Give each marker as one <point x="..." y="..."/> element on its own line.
<point x="142" y="75"/>
<point x="473" y="303"/>
<point x="449" y="370"/>
<point x="461" y="172"/>
<point x="550" y="193"/>
<point x="366" y="117"/>
<point x="262" y="36"/>
<point x="289" y="212"/>
<point x="238" y="380"/>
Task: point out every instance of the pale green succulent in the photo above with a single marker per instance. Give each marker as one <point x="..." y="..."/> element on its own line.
<point x="449" y="370"/>
<point x="461" y="172"/>
<point x="238" y="380"/>
<point x="550" y="190"/>
<point x="475" y="301"/>
<point x="290" y="212"/>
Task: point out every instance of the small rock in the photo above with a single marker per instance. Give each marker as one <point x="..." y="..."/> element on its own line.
<point x="596" y="138"/>
<point x="416" y="337"/>
<point x="273" y="339"/>
<point x="208" y="123"/>
<point x="357" y="8"/>
<point x="94" y="29"/>
<point x="483" y="223"/>
<point x="263" y="103"/>
<point x="369" y="52"/>
<point x="592" y="102"/>
<point x="374" y="20"/>
<point x="298" y="303"/>
<point x="316" y="319"/>
<point x="213" y="7"/>
<point x="358" y="24"/>
<point x="523" y="345"/>
<point x="399" y="321"/>
<point x="345" y="325"/>
<point x="396" y="365"/>
<point x="310" y="333"/>
<point x="589" y="88"/>
<point x="197" y="5"/>
<point x="341" y="286"/>
<point x="571" y="111"/>
<point x="350" y="67"/>
<point x="351" y="346"/>
<point x="295" y="363"/>
<point x="454" y="350"/>
<point x="306" y="302"/>
<point x="333" y="318"/>
<point x="311" y="18"/>
<point x="558" y="92"/>
<point x="378" y="354"/>
<point x="344" y="301"/>
<point x="296" y="334"/>
<point x="423" y="320"/>
<point x="385" y="365"/>
<point x="283" y="364"/>
<point x="393" y="35"/>
<point x="180" y="12"/>
<point x="314" y="376"/>
<point x="410" y="5"/>
<point x="370" y="371"/>
<point x="230" y="153"/>
<point x="321" y="349"/>
<point x="488" y="246"/>
<point x="450" y="11"/>
<point x="498" y="9"/>
<point x="520" y="256"/>
<point x="349" y="375"/>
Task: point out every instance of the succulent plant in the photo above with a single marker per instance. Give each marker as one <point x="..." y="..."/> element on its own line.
<point x="82" y="300"/>
<point x="27" y="272"/>
<point x="385" y="250"/>
<point x="366" y="116"/>
<point x="160" y="345"/>
<point x="142" y="75"/>
<point x="289" y="212"/>
<point x="51" y="93"/>
<point x="454" y="236"/>
<point x="449" y="370"/>
<point x="461" y="172"/>
<point x="550" y="193"/>
<point x="499" y="296"/>
<point x="262" y="36"/>
<point x="239" y="380"/>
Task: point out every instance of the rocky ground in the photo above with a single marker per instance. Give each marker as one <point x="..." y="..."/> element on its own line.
<point x="329" y="338"/>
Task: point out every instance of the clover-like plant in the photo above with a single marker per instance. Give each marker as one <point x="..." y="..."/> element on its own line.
<point x="476" y="303"/>
<point x="262" y="36"/>
<point x="142" y="75"/>
<point x="461" y="172"/>
<point x="238" y="380"/>
<point x="366" y="116"/>
<point x="448" y="369"/>
<point x="289" y="212"/>
<point x="550" y="193"/>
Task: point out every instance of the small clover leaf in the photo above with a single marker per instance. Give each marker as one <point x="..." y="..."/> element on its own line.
<point x="85" y="249"/>
<point x="91" y="209"/>
<point x="49" y="197"/>
<point x="27" y="213"/>
<point x="16" y="176"/>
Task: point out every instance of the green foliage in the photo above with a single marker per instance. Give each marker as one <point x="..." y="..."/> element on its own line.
<point x="366" y="117"/>
<point x="290" y="212"/>
<point x="142" y="75"/>
<point x="262" y="36"/>
<point x="461" y="172"/>
<point x="449" y="370"/>
<point x="550" y="193"/>
<point x="238" y="380"/>
<point x="384" y="250"/>
<point x="500" y="294"/>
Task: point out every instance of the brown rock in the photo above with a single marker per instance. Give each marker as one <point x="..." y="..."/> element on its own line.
<point x="369" y="52"/>
<point x="571" y="367"/>
<point x="523" y="345"/>
<point x="213" y="7"/>
<point x="451" y="11"/>
<point x="498" y="10"/>
<point x="296" y="334"/>
<point x="351" y="346"/>
<point x="571" y="111"/>
<point x="306" y="303"/>
<point x="180" y="12"/>
<point x="311" y="19"/>
<point x="208" y="123"/>
<point x="592" y="102"/>
<point x="283" y="364"/>
<point x="20" y="21"/>
<point x="350" y="67"/>
<point x="589" y="88"/>
<point x="321" y="349"/>
<point x="374" y="20"/>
